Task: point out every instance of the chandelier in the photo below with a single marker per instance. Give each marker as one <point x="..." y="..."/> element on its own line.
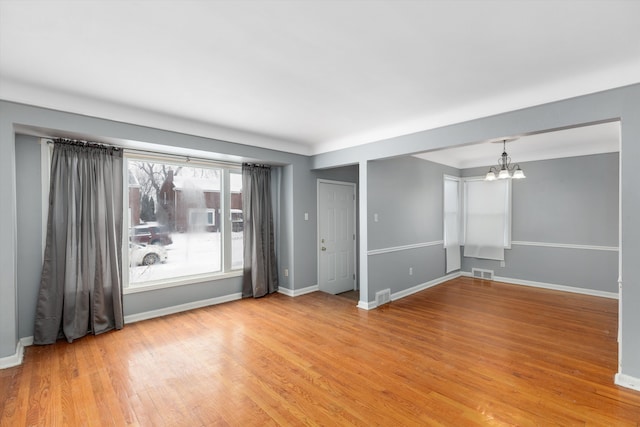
<point x="504" y="169"/>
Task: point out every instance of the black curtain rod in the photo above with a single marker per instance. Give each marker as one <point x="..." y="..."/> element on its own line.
<point x="186" y="158"/>
<point x="257" y="165"/>
<point x="82" y="143"/>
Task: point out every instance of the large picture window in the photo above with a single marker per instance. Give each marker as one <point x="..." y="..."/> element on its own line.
<point x="185" y="221"/>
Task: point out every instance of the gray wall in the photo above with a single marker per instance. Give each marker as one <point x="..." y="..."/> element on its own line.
<point x="19" y="278"/>
<point x="567" y="201"/>
<point x="29" y="239"/>
<point x="29" y="206"/>
<point x="621" y="104"/>
<point x="617" y="104"/>
<point x="345" y="174"/>
<point x="407" y="195"/>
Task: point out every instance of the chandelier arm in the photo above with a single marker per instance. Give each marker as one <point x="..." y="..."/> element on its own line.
<point x="504" y="165"/>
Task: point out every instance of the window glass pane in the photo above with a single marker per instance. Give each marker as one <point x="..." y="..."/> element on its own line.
<point x="235" y="185"/>
<point x="173" y="230"/>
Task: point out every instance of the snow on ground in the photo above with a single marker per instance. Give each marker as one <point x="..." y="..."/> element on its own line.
<point x="190" y="253"/>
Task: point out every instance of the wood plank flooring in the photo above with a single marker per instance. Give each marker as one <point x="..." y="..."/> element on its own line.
<point x="467" y="352"/>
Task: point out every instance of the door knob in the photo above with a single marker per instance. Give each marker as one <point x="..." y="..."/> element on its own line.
<point x="324" y="249"/>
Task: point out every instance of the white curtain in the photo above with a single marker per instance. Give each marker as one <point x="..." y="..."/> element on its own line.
<point x="487" y="218"/>
<point x="452" y="223"/>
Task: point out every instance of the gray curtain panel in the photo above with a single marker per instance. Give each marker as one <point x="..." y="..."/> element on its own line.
<point x="80" y="288"/>
<point x="260" y="268"/>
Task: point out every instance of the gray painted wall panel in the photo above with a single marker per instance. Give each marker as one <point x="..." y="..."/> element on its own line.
<point x="567" y="201"/>
<point x="391" y="270"/>
<point x="630" y="226"/>
<point x="291" y="185"/>
<point x="29" y="231"/>
<point x="8" y="230"/>
<point x="30" y="254"/>
<point x="304" y="231"/>
<point x="344" y="173"/>
<point x="579" y="268"/>
<point x="407" y="195"/>
<point x="570" y="200"/>
<point x="285" y="240"/>
<point x="623" y="103"/>
<point x="141" y="302"/>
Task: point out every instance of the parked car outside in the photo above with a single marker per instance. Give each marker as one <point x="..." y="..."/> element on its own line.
<point x="146" y="254"/>
<point x="150" y="234"/>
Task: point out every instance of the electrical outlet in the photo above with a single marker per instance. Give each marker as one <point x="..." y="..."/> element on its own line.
<point x="410" y="271"/>
<point x="502" y="263"/>
<point x="375" y="217"/>
<point x="286" y="272"/>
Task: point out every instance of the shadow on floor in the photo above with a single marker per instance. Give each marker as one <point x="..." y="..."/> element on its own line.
<point x="352" y="295"/>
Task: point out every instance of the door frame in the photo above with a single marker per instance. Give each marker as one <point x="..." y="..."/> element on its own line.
<point x="320" y="181"/>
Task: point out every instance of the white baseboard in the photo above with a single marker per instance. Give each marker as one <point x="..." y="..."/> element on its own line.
<point x="27" y="341"/>
<point x="551" y="286"/>
<point x="423" y="286"/>
<point x="367" y="305"/>
<point x="13" y="360"/>
<point x="627" y="381"/>
<point x="180" y="308"/>
<point x="370" y="305"/>
<point x="297" y="292"/>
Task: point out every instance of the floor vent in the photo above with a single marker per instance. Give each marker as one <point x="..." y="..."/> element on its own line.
<point x="383" y="297"/>
<point x="482" y="274"/>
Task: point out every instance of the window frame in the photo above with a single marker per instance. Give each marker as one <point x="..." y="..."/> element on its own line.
<point x="226" y="270"/>
<point x="207" y="212"/>
<point x="459" y="210"/>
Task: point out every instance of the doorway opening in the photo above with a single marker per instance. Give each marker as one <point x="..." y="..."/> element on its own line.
<point x="336" y="236"/>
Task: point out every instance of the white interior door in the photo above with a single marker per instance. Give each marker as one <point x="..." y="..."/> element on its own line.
<point x="336" y="237"/>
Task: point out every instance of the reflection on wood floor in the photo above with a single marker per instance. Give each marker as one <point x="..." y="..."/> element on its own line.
<point x="467" y="352"/>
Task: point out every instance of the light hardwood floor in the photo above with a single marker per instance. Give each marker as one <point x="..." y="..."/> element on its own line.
<point x="467" y="352"/>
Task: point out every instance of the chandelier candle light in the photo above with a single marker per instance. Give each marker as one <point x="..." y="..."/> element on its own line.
<point x="504" y="169"/>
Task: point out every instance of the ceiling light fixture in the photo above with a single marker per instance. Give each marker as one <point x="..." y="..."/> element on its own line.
<point x="504" y="169"/>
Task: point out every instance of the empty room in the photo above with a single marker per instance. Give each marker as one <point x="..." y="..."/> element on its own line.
<point x="319" y="213"/>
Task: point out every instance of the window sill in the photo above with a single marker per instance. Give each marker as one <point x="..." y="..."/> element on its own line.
<point x="170" y="283"/>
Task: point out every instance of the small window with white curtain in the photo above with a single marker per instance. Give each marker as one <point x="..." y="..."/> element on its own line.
<point x="487" y="219"/>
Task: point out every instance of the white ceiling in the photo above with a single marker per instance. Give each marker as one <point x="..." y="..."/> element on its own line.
<point x="583" y="140"/>
<point x="311" y="76"/>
